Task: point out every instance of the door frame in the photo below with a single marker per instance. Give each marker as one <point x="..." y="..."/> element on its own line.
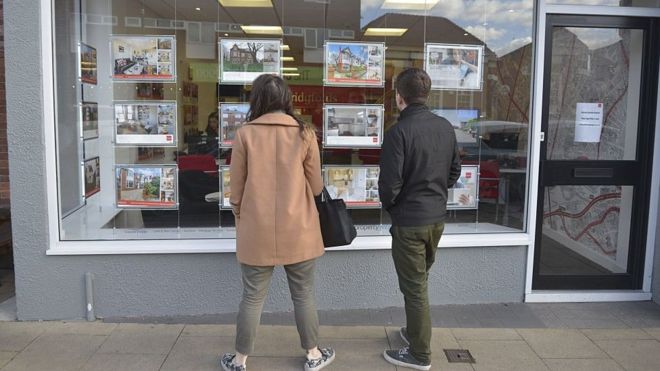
<point x="543" y="11"/>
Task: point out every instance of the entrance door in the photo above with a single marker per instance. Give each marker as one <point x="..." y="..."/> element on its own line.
<point x="599" y="98"/>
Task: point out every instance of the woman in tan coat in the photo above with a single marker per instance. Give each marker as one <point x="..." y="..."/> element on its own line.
<point x="275" y="174"/>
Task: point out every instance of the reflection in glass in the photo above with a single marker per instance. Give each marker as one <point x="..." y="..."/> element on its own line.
<point x="586" y="230"/>
<point x="483" y="74"/>
<point x="589" y="116"/>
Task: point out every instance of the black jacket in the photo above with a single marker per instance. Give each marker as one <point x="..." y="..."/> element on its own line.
<point x="418" y="163"/>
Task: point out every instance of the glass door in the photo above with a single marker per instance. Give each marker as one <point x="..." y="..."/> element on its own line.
<point x="599" y="100"/>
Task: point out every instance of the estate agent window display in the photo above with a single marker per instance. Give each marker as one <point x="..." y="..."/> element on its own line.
<point x="137" y="119"/>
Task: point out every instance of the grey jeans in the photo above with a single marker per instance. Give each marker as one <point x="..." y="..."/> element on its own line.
<point x="255" y="287"/>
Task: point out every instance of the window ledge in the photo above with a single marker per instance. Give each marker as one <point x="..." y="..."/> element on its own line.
<point x="229" y="246"/>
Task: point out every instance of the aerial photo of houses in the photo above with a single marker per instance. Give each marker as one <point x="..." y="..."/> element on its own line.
<point x="354" y="64"/>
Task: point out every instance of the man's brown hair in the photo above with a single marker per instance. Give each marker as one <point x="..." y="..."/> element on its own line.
<point x="413" y="85"/>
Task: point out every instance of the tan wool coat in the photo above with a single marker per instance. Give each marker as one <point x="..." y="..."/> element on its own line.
<point x="275" y="174"/>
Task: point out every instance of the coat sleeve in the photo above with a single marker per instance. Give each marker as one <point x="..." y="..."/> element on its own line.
<point x="390" y="179"/>
<point x="238" y="173"/>
<point x="312" y="165"/>
<point x="455" y="167"/>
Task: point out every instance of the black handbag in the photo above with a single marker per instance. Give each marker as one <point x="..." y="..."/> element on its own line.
<point x="337" y="225"/>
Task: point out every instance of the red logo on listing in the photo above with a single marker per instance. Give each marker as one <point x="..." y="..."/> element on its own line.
<point x="375" y="140"/>
<point x="168" y="138"/>
<point x="468" y="175"/>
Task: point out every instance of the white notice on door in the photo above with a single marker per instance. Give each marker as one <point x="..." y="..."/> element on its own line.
<point x="588" y="122"/>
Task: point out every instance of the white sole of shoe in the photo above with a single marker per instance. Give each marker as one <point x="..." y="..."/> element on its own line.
<point x="403" y="364"/>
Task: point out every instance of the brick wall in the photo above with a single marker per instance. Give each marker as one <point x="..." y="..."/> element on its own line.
<point x="4" y="162"/>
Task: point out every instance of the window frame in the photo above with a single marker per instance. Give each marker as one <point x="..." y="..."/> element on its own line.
<point x="57" y="246"/>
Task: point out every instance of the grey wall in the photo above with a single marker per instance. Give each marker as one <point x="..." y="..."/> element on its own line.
<point x="51" y="287"/>
<point x="655" y="284"/>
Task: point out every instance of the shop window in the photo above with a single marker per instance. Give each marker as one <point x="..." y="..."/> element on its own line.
<point x="149" y="96"/>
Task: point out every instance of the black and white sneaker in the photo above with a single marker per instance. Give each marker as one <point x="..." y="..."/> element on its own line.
<point x="227" y="363"/>
<point x="402" y="357"/>
<point x="403" y="332"/>
<point x="327" y="356"/>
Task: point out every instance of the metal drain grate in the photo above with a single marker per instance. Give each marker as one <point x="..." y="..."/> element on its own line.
<point x="459" y="356"/>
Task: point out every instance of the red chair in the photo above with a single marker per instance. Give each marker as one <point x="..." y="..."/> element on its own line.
<point x="205" y="163"/>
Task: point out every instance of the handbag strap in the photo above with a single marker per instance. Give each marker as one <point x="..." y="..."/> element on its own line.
<point x="326" y="195"/>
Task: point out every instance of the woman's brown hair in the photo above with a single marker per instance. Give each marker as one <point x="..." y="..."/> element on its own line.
<point x="270" y="93"/>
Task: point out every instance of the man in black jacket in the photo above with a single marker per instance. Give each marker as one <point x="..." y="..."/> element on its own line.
<point x="419" y="162"/>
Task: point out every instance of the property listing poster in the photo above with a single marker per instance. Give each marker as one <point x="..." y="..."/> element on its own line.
<point x="92" y="171"/>
<point x="456" y="67"/>
<point x="356" y="185"/>
<point x="145" y="123"/>
<point x="146" y="186"/>
<point x="89" y="112"/>
<point x="354" y="64"/>
<point x="139" y="58"/>
<point x="243" y="60"/>
<point x="232" y="117"/>
<point x="463" y="195"/>
<point x="225" y="189"/>
<point x="353" y="126"/>
<point x="88" y="64"/>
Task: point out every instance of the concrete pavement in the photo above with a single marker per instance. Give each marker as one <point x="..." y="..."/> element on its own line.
<point x="143" y="347"/>
<point x="589" y="336"/>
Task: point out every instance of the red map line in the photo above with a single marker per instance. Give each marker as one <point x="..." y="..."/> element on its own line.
<point x="563" y="96"/>
<point x="605" y="196"/>
<point x="609" y="112"/>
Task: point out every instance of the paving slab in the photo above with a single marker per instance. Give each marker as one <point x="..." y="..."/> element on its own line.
<point x="595" y="323"/>
<point x="209" y="330"/>
<point x="633" y="355"/>
<point x="362" y="354"/>
<point x="197" y="353"/>
<point x="278" y="341"/>
<point x="485" y="334"/>
<point x="81" y="328"/>
<point x="124" y="362"/>
<point x="352" y="332"/>
<point x="280" y="363"/>
<point x="65" y="343"/>
<point x="15" y="336"/>
<point x="509" y="355"/>
<point x="5" y="357"/>
<point x="583" y="365"/>
<point x="142" y="339"/>
<point x="654" y="332"/>
<point x="616" y="334"/>
<point x="56" y="352"/>
<point x="559" y="343"/>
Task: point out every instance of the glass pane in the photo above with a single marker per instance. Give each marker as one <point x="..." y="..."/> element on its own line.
<point x="150" y="94"/>
<point x="586" y="230"/>
<point x="594" y="94"/>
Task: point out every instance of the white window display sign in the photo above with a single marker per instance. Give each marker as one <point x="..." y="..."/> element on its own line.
<point x="455" y="67"/>
<point x="463" y="195"/>
<point x="225" y="189"/>
<point x="145" y="123"/>
<point x="588" y="122"/>
<point x="89" y="117"/>
<point x="146" y="186"/>
<point x="243" y="60"/>
<point x="354" y="64"/>
<point x="353" y="126"/>
<point x="356" y="185"/>
<point x="232" y="117"/>
<point x="143" y="58"/>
